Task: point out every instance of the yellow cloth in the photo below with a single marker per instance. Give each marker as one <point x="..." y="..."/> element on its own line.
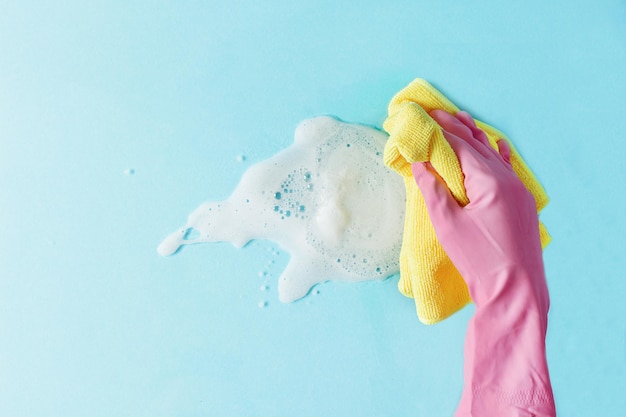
<point x="426" y="272"/>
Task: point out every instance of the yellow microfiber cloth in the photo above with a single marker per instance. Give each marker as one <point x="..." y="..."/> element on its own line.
<point x="426" y="272"/>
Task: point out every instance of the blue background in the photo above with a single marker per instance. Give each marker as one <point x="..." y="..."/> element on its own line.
<point x="94" y="323"/>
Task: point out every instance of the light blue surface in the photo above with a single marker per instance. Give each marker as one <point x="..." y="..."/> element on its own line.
<point x="94" y="323"/>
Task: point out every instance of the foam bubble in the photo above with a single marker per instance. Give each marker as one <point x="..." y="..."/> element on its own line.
<point x="328" y="200"/>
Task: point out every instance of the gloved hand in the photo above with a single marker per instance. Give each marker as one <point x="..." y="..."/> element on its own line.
<point x="499" y="227"/>
<point x="494" y="243"/>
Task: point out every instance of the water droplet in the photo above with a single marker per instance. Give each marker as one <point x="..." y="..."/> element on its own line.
<point x="307" y="176"/>
<point x="309" y="187"/>
<point x="263" y="304"/>
<point x="276" y="208"/>
<point x="129" y="171"/>
<point x="278" y="195"/>
<point x="301" y="208"/>
<point x="241" y="158"/>
<point x="288" y="213"/>
<point x="265" y="287"/>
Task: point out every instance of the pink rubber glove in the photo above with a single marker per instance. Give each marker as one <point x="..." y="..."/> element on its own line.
<point x="494" y="243"/>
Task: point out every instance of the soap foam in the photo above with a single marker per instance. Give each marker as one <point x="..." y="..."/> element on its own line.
<point x="328" y="200"/>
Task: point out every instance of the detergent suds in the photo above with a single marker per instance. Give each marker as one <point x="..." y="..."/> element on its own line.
<point x="327" y="200"/>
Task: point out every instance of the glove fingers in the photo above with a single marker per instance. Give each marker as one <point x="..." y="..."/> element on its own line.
<point x="450" y="124"/>
<point x="477" y="133"/>
<point x="504" y="150"/>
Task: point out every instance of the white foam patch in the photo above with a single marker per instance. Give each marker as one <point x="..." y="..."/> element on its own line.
<point x="328" y="200"/>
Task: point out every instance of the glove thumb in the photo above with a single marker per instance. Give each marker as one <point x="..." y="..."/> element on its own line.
<point x="440" y="203"/>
